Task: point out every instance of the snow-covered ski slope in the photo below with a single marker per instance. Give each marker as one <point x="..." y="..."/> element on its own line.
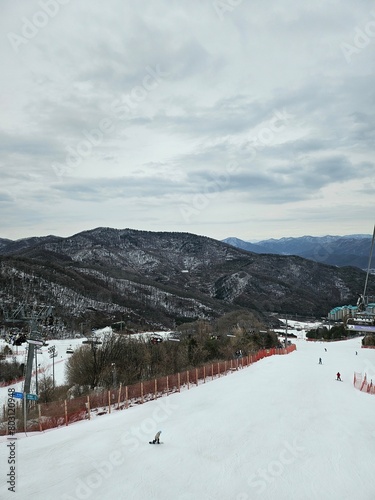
<point x="283" y="428"/>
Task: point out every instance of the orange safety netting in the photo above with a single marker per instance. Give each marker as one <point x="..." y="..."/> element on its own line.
<point x="61" y="413"/>
<point x="363" y="384"/>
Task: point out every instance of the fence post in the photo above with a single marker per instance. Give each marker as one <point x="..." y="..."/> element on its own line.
<point x="179" y="381"/>
<point x="196" y="376"/>
<point x="126" y="397"/>
<point x="167" y="385"/>
<point x="218" y="368"/>
<point x="212" y="371"/>
<point x="40" y="418"/>
<point x="156" y="389"/>
<point x="66" y="412"/>
<point x="142" y="392"/>
<point x="187" y="378"/>
<point x="204" y="374"/>
<point x="109" y="401"/>
<point x="119" y="396"/>
<point x="88" y="407"/>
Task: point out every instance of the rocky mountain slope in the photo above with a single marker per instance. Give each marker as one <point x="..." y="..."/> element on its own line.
<point x="156" y="279"/>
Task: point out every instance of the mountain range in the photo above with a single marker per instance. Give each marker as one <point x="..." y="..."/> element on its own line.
<point x="162" y="279"/>
<point x="352" y="250"/>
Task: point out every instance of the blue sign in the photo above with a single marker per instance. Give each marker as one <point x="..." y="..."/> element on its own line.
<point x="34" y="397"/>
<point x="17" y="395"/>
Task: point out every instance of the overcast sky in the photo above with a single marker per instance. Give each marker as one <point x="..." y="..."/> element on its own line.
<point x="222" y="118"/>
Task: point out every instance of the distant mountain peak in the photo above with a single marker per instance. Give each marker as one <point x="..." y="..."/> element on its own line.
<point x="350" y="250"/>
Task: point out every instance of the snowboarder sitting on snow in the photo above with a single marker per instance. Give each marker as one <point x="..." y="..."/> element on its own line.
<point x="157" y="438"/>
<point x="338" y="376"/>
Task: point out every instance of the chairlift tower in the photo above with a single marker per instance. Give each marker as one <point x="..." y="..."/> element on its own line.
<point x="362" y="318"/>
<point x="32" y="315"/>
<point x="365" y="298"/>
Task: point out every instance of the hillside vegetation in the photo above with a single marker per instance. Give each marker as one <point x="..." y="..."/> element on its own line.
<point x="161" y="280"/>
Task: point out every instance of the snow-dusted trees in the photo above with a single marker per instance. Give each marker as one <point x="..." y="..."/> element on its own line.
<point x="124" y="359"/>
<point x="10" y="370"/>
<point x="118" y="359"/>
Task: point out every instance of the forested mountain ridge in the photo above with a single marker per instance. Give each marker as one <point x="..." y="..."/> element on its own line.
<point x="160" y="279"/>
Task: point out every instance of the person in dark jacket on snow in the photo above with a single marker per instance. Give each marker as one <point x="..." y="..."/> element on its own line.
<point x="338" y="376"/>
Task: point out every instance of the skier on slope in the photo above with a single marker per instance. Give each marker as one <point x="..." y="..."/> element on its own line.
<point x="156" y="438"/>
<point x="338" y="376"/>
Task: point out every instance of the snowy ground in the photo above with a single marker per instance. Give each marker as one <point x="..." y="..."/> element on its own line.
<point x="283" y="428"/>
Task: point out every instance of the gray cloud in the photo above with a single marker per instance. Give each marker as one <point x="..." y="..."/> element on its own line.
<point x="163" y="105"/>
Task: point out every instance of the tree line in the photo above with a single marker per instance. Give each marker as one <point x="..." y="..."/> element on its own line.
<point x="121" y="358"/>
<point x="323" y="333"/>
